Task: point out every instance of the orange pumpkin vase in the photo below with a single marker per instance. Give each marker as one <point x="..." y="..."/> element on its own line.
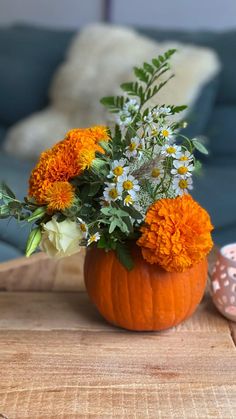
<point x="147" y="298"/>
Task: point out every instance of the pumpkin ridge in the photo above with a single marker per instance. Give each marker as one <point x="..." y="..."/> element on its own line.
<point x="117" y="286"/>
<point x="129" y="300"/>
<point x="187" y="287"/>
<point x="192" y="305"/>
<point x="104" y="283"/>
<point x="173" y="302"/>
<point x="179" y="290"/>
<point x="190" y="298"/>
<point x="111" y="288"/>
<point x="117" y="279"/>
<point x="150" y="280"/>
<point x="147" y="285"/>
<point x="204" y="274"/>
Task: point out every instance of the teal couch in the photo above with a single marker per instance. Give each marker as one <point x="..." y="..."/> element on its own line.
<point x="28" y="58"/>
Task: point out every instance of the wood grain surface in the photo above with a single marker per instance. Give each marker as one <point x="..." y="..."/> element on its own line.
<point x="40" y="273"/>
<point x="60" y="359"/>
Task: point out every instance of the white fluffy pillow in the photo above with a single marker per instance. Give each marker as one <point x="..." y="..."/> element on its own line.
<point x="100" y="58"/>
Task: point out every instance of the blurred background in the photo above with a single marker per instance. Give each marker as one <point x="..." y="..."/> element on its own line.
<point x="42" y="91"/>
<point x="184" y="14"/>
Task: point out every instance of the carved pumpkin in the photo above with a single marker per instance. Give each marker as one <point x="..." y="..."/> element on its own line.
<point x="146" y="298"/>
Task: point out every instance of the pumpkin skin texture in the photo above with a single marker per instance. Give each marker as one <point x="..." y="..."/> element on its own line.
<point x="147" y="298"/>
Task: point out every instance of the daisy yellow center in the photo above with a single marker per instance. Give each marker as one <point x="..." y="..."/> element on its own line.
<point x="165" y="133"/>
<point x="182" y="170"/>
<point x="156" y="172"/>
<point x="132" y="146"/>
<point x="128" y="199"/>
<point x="83" y="228"/>
<point x="93" y="238"/>
<point x="183" y="184"/>
<point x="113" y="193"/>
<point x="170" y="150"/>
<point x="127" y="185"/>
<point x="183" y="158"/>
<point x="118" y="170"/>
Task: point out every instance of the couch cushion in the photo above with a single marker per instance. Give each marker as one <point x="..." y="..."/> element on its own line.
<point x="8" y="252"/>
<point x="221" y="131"/>
<point x="224" y="43"/>
<point x="3" y="131"/>
<point x="225" y="235"/>
<point x="200" y="114"/>
<point x="215" y="191"/>
<point x="15" y="173"/>
<point x="28" y="59"/>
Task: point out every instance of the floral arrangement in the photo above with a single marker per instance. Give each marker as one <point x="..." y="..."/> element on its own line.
<point x="104" y="187"/>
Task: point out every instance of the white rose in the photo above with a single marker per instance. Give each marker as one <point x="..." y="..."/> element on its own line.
<point x="61" y="239"/>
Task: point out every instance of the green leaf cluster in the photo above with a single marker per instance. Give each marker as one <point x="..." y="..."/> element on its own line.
<point x="117" y="218"/>
<point x="143" y="88"/>
<point x="122" y="250"/>
<point x="115" y="104"/>
<point x="10" y="205"/>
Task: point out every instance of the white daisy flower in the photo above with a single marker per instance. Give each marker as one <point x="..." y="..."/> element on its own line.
<point x="131" y="106"/>
<point x="152" y="130"/>
<point x="128" y="200"/>
<point x="94" y="238"/>
<point x="135" y="146"/>
<point x="155" y="113"/>
<point x="182" y="169"/>
<point x="171" y="151"/>
<point x="148" y="118"/>
<point x="124" y="119"/>
<point x="185" y="157"/>
<point x="128" y="184"/>
<point x="165" y="110"/>
<point x="118" y="168"/>
<point x="111" y="192"/>
<point x="157" y="173"/>
<point x="166" y="133"/>
<point x="181" y="186"/>
<point x="83" y="227"/>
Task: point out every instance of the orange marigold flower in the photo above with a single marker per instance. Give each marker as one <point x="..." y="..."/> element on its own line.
<point x="65" y="160"/>
<point x="60" y="196"/>
<point x="176" y="234"/>
<point x="99" y="133"/>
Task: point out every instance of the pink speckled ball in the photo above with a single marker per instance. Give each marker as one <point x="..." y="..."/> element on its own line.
<point x="223" y="281"/>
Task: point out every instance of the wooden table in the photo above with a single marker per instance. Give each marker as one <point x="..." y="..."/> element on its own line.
<point x="59" y="359"/>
